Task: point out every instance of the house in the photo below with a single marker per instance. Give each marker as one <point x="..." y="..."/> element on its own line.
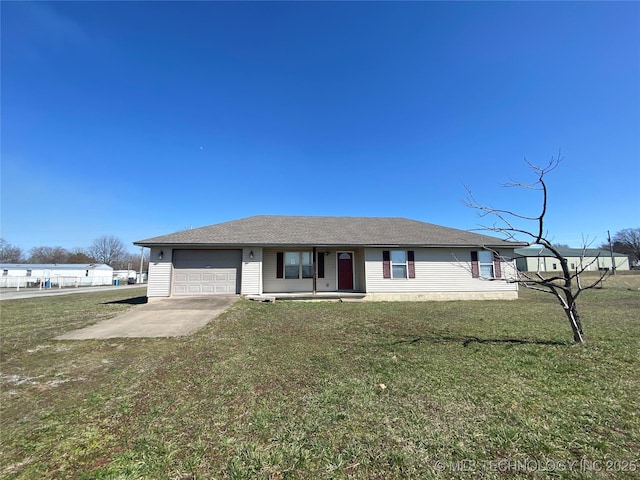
<point x="55" y="275"/>
<point x="539" y="259"/>
<point x="377" y="258"/>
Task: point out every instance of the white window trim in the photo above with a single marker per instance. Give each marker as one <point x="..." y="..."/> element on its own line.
<point x="486" y="264"/>
<point x="405" y="264"/>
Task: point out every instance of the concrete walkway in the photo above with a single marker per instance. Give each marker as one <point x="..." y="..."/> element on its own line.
<point x="171" y="317"/>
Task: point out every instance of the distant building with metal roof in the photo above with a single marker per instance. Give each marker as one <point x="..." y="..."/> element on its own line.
<point x="540" y="259"/>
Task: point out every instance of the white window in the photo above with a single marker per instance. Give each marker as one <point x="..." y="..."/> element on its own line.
<point x="5" y="273"/>
<point x="398" y="264"/>
<point x="485" y="263"/>
<point x="28" y="273"/>
<point x="298" y="265"/>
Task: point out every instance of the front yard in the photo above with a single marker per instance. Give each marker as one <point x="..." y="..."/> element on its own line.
<point x="327" y="390"/>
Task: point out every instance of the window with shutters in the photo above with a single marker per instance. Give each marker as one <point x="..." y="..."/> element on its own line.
<point x="485" y="264"/>
<point x="398" y="264"/>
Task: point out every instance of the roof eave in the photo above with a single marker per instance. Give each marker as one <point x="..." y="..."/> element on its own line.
<point x="327" y="245"/>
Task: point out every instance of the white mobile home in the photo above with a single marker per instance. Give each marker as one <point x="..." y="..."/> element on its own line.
<point x="55" y="275"/>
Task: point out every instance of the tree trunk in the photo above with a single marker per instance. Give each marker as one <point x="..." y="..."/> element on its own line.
<point x="574" y="321"/>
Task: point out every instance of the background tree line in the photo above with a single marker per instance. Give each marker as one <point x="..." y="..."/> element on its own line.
<point x="106" y="249"/>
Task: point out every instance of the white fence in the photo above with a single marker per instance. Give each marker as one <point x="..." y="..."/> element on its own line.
<point x="56" y="281"/>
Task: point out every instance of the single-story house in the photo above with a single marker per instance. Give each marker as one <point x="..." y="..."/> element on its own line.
<point x="55" y="274"/>
<point x="539" y="259"/>
<point x="378" y="258"/>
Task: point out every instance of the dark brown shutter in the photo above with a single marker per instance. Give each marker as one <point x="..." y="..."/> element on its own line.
<point x="497" y="272"/>
<point x="475" y="267"/>
<point x="412" y="264"/>
<point x="386" y="264"/>
<point x="280" y="265"/>
<point x="320" y="264"/>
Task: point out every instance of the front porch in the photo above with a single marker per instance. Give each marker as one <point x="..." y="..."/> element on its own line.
<point x="313" y="272"/>
<point x="310" y="296"/>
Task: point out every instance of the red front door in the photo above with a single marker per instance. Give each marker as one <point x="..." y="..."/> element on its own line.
<point x="345" y="271"/>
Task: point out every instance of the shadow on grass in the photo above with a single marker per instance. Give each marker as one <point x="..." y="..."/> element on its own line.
<point x="467" y="341"/>
<point x="128" y="301"/>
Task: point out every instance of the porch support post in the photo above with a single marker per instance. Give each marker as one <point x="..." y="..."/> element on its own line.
<point x="315" y="270"/>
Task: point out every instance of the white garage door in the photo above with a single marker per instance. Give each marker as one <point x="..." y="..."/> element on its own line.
<point x="206" y="272"/>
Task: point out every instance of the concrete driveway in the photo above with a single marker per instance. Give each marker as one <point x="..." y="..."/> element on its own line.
<point x="171" y="317"/>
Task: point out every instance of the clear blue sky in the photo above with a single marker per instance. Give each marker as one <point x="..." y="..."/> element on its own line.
<point x="137" y="119"/>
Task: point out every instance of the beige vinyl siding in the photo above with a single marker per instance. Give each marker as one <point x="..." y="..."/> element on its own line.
<point x="437" y="270"/>
<point x="251" y="272"/>
<point x="159" y="284"/>
<point x="328" y="283"/>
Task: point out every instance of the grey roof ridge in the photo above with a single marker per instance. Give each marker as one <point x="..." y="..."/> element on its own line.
<point x="333" y="231"/>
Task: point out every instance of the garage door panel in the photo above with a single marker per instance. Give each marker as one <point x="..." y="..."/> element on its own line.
<point x="180" y="277"/>
<point x="206" y="272"/>
<point x="225" y="277"/>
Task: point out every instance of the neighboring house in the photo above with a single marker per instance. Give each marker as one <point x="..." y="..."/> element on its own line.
<point x="379" y="258"/>
<point x="58" y="275"/>
<point x="539" y="259"/>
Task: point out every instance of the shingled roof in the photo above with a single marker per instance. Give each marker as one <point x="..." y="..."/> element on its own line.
<point x="276" y="230"/>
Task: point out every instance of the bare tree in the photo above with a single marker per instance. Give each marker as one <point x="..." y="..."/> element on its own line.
<point x="10" y="253"/>
<point x="565" y="285"/>
<point x="107" y="249"/>
<point x="130" y="261"/>
<point x="78" y="255"/>
<point x="627" y="241"/>
<point x="48" y="255"/>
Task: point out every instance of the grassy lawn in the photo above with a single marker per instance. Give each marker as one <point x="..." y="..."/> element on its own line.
<point x="326" y="390"/>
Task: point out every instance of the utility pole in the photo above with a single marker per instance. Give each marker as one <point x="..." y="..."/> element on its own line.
<point x="613" y="261"/>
